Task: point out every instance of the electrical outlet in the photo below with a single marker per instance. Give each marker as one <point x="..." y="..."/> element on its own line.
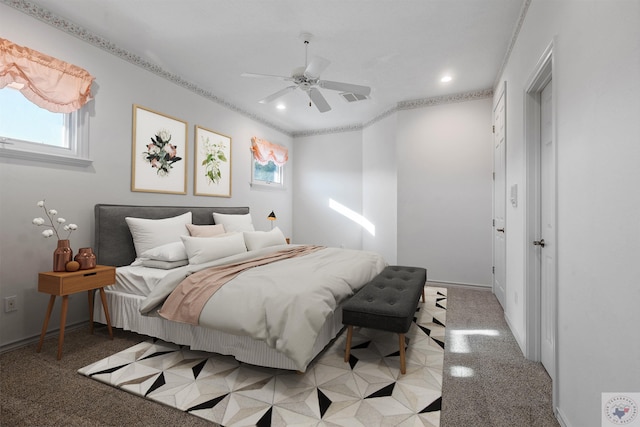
<point x="10" y="304"/>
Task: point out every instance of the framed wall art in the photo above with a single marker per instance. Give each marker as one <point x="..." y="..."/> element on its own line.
<point x="159" y="153"/>
<point x="212" y="163"/>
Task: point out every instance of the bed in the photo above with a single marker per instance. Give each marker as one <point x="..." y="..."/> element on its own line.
<point x="317" y="277"/>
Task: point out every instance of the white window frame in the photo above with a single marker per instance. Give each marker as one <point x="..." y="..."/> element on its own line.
<point x="77" y="135"/>
<point x="266" y="184"/>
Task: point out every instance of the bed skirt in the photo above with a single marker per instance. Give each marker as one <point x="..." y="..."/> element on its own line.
<point x="123" y="310"/>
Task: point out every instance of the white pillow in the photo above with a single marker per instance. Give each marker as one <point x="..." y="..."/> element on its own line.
<point x="262" y="239"/>
<point x="170" y="252"/>
<point x="151" y="233"/>
<point x="205" y="249"/>
<point x="234" y="222"/>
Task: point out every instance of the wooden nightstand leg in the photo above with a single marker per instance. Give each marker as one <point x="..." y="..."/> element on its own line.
<point x="52" y="300"/>
<point x="63" y="321"/>
<point x="90" y="292"/>
<point x="103" y="297"/>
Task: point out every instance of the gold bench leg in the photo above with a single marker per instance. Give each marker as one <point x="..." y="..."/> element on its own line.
<point x="403" y="366"/>
<point x="347" y="351"/>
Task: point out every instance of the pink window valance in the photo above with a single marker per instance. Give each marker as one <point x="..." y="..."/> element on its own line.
<point x="46" y="81"/>
<point x="264" y="151"/>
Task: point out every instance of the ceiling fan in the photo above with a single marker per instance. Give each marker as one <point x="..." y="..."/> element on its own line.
<point x="307" y="78"/>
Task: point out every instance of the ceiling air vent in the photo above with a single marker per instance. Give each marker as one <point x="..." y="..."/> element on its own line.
<point x="353" y="97"/>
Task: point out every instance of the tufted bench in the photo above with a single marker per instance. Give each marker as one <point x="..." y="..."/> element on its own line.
<point x="388" y="302"/>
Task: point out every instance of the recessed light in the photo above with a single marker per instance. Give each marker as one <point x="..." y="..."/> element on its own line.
<point x="446" y="79"/>
<point x="281" y="107"/>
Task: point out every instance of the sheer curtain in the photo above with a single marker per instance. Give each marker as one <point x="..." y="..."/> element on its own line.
<point x="48" y="82"/>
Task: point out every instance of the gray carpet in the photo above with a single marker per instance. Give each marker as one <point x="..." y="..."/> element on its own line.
<point x="486" y="380"/>
<point x="505" y="389"/>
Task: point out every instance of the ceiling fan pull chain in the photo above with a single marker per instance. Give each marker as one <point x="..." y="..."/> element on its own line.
<point x="306" y="51"/>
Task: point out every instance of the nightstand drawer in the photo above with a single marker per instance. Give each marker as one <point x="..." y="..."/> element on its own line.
<point x="65" y="283"/>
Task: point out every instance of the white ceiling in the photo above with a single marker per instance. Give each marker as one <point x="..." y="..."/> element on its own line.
<point x="401" y="48"/>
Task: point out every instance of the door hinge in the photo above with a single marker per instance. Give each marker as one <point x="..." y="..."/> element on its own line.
<point x="493" y="270"/>
<point x="493" y="222"/>
<point x="493" y="129"/>
<point x="494" y="176"/>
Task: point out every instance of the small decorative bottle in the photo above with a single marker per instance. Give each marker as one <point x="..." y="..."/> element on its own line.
<point x="86" y="258"/>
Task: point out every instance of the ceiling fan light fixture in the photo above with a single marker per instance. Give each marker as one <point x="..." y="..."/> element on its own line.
<point x="446" y="79"/>
<point x="308" y="80"/>
<point x="281" y="107"/>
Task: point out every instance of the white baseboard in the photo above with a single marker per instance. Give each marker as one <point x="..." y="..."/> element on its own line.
<point x="35" y="338"/>
<point x="473" y="285"/>
<point x="561" y="418"/>
<point x="516" y="335"/>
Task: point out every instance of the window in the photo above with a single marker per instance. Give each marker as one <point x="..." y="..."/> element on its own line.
<point x="267" y="162"/>
<point x="41" y="100"/>
<point x="28" y="131"/>
<point x="267" y="174"/>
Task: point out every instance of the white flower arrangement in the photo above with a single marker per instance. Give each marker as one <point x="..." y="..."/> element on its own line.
<point x="53" y="227"/>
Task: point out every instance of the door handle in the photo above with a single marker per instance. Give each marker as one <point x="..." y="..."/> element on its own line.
<point x="500" y="230"/>
<point x="539" y="243"/>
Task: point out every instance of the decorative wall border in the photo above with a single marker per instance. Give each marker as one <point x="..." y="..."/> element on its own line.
<point x="83" y="34"/>
<point x="445" y="99"/>
<point x="48" y="17"/>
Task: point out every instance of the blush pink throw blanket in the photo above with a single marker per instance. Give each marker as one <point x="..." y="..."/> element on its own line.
<point x="185" y="303"/>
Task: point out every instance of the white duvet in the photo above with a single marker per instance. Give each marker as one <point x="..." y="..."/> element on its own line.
<point x="285" y="303"/>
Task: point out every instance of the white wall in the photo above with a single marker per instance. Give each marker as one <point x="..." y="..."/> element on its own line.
<point x="380" y="187"/>
<point x="445" y="169"/>
<point x="422" y="177"/>
<point x="327" y="167"/>
<point x="596" y="80"/>
<point x="73" y="191"/>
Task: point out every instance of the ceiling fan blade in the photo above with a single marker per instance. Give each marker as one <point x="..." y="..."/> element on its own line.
<point x="321" y="104"/>
<point x="277" y="95"/>
<point x="316" y="67"/>
<point x="267" y="76"/>
<point x="345" y="87"/>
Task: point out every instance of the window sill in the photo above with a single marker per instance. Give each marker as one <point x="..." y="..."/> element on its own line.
<point x="44" y="157"/>
<point x="266" y="186"/>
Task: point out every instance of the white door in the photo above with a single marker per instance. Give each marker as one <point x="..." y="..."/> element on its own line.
<point x="547" y="232"/>
<point x="499" y="197"/>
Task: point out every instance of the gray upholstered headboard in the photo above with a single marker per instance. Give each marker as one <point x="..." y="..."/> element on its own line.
<point x="113" y="241"/>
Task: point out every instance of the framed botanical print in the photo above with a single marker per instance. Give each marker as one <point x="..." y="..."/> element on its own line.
<point x="212" y="163"/>
<point x="159" y="153"/>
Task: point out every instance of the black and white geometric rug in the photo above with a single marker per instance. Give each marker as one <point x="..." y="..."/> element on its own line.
<point x="367" y="391"/>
